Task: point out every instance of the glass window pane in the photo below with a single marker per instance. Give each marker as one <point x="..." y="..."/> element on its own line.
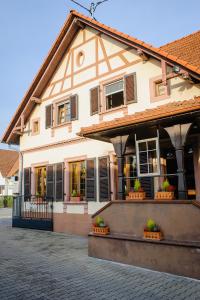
<point x="144" y="169"/>
<point x="142" y="146"/>
<point x="143" y="157"/>
<point x="151" y="145"/>
<point x="114" y="100"/>
<point x="152" y="155"/>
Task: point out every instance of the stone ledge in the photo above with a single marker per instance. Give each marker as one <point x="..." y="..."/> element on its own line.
<point x="124" y="237"/>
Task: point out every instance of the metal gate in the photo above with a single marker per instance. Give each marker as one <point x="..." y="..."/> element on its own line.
<point x="33" y="212"/>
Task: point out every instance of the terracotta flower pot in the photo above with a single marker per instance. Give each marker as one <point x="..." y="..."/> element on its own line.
<point x="136" y="196"/>
<point x="101" y="230"/>
<point x="164" y="195"/>
<point x="75" y="199"/>
<point x="151" y="235"/>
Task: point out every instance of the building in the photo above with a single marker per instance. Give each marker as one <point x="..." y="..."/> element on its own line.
<point x="106" y="108"/>
<point x="9" y="168"/>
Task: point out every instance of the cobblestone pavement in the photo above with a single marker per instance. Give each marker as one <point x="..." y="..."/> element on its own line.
<point x="45" y="265"/>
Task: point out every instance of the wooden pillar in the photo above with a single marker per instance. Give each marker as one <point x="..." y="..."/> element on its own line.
<point x="178" y="134"/>
<point x="119" y="144"/>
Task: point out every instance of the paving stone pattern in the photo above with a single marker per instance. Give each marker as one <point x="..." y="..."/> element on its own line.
<point x="46" y="265"/>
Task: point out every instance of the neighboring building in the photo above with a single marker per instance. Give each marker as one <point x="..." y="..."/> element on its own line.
<point x="9" y="172"/>
<point x="97" y="77"/>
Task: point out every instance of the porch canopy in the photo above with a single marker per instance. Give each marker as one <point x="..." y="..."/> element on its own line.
<point x="164" y="143"/>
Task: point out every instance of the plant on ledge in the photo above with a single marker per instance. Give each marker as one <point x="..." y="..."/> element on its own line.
<point x="152" y="231"/>
<point x="167" y="191"/>
<point x="137" y="193"/>
<point x="75" y="197"/>
<point x="99" y="227"/>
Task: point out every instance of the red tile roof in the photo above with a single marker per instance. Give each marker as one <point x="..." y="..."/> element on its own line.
<point x="9" y="162"/>
<point x="170" y="109"/>
<point x="187" y="48"/>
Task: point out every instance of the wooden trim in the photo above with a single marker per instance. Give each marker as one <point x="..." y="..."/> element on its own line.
<point x="105" y="54"/>
<point x="94" y="64"/>
<point x="40" y="164"/>
<point x="75" y="158"/>
<point x="36" y="100"/>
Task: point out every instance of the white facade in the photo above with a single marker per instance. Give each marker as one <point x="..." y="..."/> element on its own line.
<point x="104" y="60"/>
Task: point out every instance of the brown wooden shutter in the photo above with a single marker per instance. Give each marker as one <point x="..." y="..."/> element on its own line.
<point x="104" y="179"/>
<point x="130" y="88"/>
<point x="27" y="183"/>
<point x="74" y="107"/>
<point x="94" y="101"/>
<point x="49" y="119"/>
<point x="91" y="179"/>
<point x="50" y="182"/>
<point x="59" y="182"/>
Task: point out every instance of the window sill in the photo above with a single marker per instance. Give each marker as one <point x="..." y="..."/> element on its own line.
<point x="122" y="108"/>
<point x="62" y="125"/>
<point x="75" y="203"/>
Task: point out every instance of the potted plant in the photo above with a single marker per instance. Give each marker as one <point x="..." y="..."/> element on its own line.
<point x="99" y="227"/>
<point x="167" y="191"/>
<point x="75" y="197"/>
<point x="137" y="193"/>
<point x="152" y="231"/>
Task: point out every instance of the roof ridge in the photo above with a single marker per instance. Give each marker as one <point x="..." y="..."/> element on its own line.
<point x="179" y="39"/>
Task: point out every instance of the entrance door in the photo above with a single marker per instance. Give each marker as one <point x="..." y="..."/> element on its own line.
<point x="40" y="181"/>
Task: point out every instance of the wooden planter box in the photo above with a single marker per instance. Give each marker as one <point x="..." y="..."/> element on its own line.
<point x="75" y="199"/>
<point x="164" y="196"/>
<point x="136" y="196"/>
<point x="101" y="230"/>
<point x="150" y="235"/>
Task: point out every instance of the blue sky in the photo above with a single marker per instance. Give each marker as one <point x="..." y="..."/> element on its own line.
<point x="29" y="27"/>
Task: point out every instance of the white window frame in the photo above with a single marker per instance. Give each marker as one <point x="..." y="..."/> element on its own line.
<point x="138" y="157"/>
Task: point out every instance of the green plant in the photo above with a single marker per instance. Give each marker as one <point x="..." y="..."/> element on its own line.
<point x="150" y="224"/>
<point x="137" y="185"/>
<point x="165" y="185"/>
<point x="100" y="222"/>
<point x="6" y="201"/>
<point x="74" y="193"/>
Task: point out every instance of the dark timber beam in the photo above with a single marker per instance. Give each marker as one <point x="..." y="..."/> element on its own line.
<point x="119" y="144"/>
<point x="178" y="134"/>
<point x="36" y="100"/>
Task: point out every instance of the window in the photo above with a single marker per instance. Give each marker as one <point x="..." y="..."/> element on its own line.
<point x="148" y="159"/>
<point x="35" y="127"/>
<point x="40" y="180"/>
<point x="114" y="93"/>
<point x="77" y="178"/>
<point x="64" y="113"/>
<point x="160" y="89"/>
